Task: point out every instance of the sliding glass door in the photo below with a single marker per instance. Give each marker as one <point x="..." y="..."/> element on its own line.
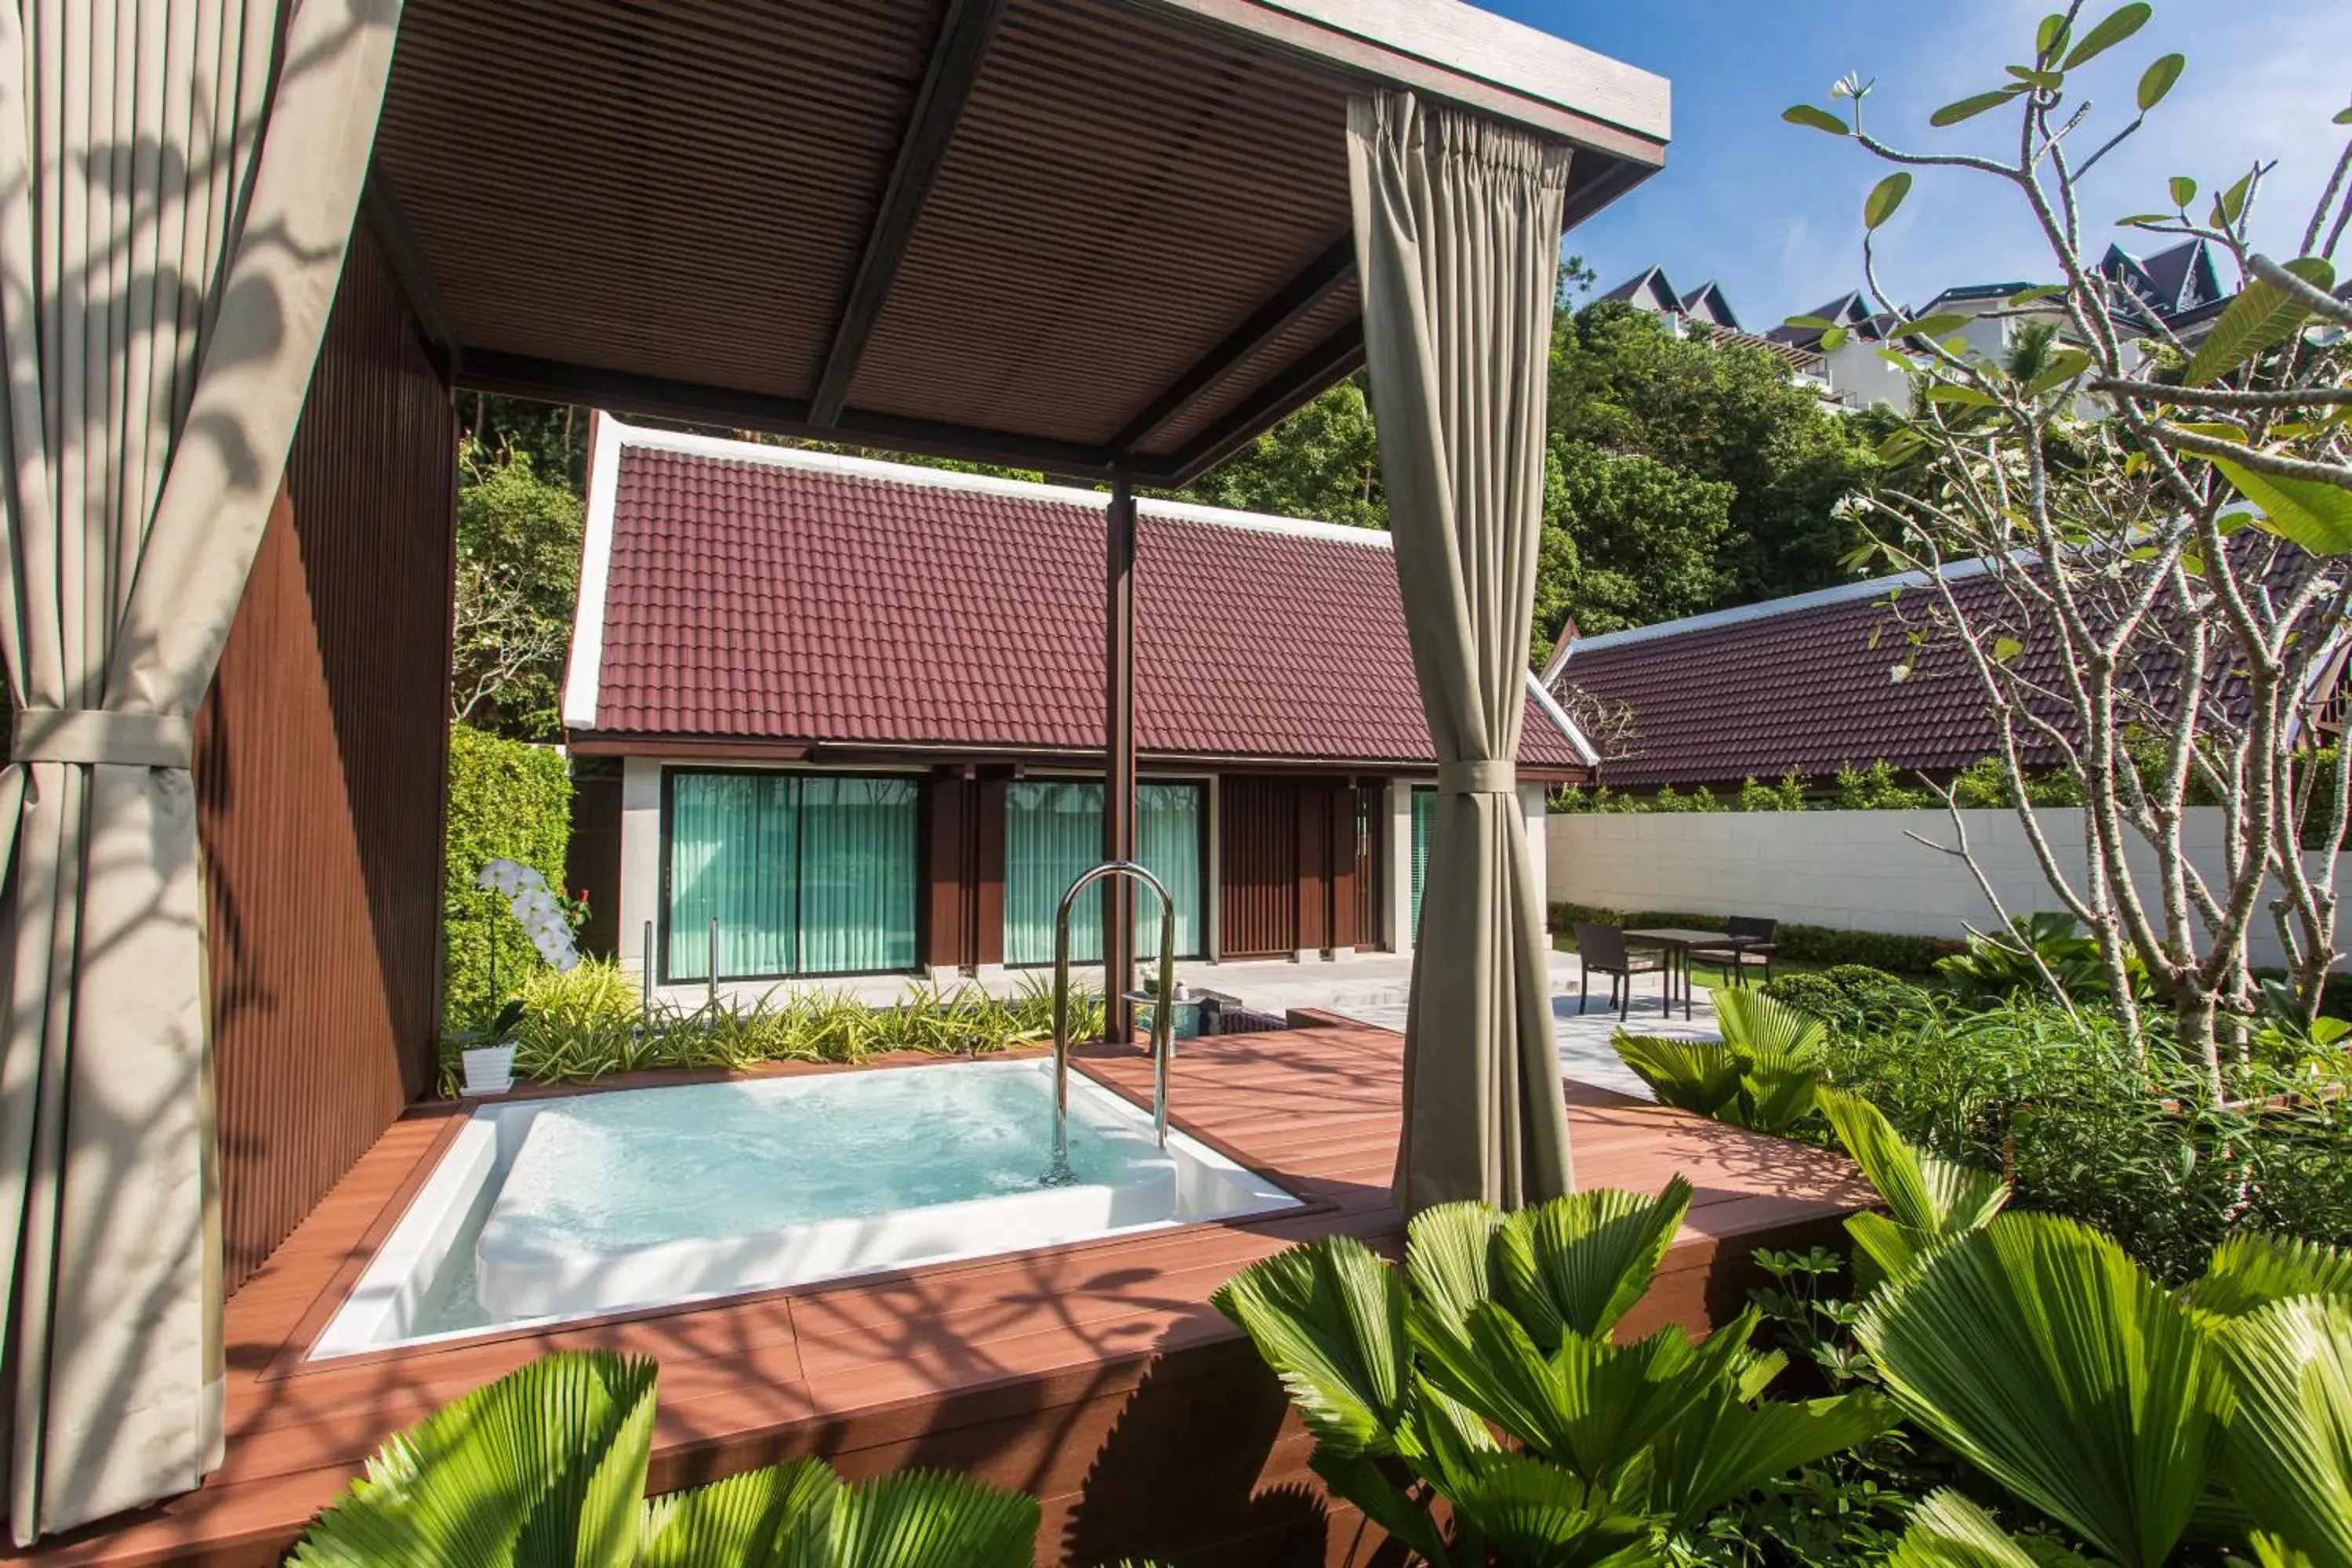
<point x="804" y="874"/>
<point x="1053" y="832"/>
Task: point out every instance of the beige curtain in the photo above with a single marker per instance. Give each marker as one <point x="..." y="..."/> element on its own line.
<point x="1457" y="239"/>
<point x="177" y="184"/>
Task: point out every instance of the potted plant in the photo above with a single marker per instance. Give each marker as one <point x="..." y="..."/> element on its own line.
<point x="490" y="1063"/>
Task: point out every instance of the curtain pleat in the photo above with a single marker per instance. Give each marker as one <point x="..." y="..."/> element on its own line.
<point x="178" y="180"/>
<point x="805" y="874"/>
<point x="857" y="875"/>
<point x="1054" y="834"/>
<point x="1457" y="239"/>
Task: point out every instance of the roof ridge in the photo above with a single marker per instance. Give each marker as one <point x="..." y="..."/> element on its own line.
<point x="721" y="448"/>
<point x="1768" y="609"/>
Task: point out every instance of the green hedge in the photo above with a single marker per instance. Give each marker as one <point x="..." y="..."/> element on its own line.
<point x="1877" y="787"/>
<point x="1889" y="950"/>
<point x="506" y="799"/>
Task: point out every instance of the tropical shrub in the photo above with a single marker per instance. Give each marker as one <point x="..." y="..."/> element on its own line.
<point x="1763" y="1074"/>
<point x="2034" y="1349"/>
<point x="1485" y="1374"/>
<point x="1851" y="995"/>
<point x="2036" y="952"/>
<point x="547" y="1465"/>
<point x="511" y="801"/>
<point x="593" y="1022"/>
<point x="2084" y="1126"/>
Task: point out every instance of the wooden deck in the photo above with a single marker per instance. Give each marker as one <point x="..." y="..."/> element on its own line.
<point x="1095" y="1376"/>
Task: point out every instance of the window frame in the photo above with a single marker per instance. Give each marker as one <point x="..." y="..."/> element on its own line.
<point x="664" y="902"/>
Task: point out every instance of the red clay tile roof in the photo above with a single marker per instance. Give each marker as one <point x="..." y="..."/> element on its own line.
<point x="761" y="596"/>
<point x="1801" y="684"/>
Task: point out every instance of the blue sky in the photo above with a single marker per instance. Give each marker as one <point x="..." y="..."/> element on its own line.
<point x="1773" y="211"/>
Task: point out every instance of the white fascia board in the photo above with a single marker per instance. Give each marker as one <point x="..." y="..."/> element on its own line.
<point x="1559" y="715"/>
<point x="587" y="655"/>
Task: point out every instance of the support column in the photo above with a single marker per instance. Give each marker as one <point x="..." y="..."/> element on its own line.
<point x="1118" y="744"/>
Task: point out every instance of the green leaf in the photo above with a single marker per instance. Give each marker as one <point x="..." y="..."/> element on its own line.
<point x="2063" y="366"/>
<point x="749" y="1520"/>
<point x="2048" y="80"/>
<point x="1722" y="1451"/>
<point x="1580" y="1263"/>
<point x="2144" y="220"/>
<point x="2042" y="1354"/>
<point x="2184" y="191"/>
<point x="1447" y="1253"/>
<point x="2341" y="117"/>
<point x="1776" y="1090"/>
<point x="1834" y="339"/>
<point x="547" y="1464"/>
<point x="1818" y="324"/>
<point x="1885" y="197"/>
<point x="1364" y="1483"/>
<point x="1698" y="1076"/>
<point x="1329" y="1317"/>
<point x="1534" y="1513"/>
<point x="1931" y="1201"/>
<point x="2229" y="204"/>
<point x="1754" y="1021"/>
<point x="1943" y="323"/>
<point x="2261" y="317"/>
<point x="2250" y="1271"/>
<point x="2313" y="513"/>
<point x="1970" y="107"/>
<point x="2158" y="79"/>
<point x="2006" y="648"/>
<point x="2114" y="28"/>
<point x="1957" y="391"/>
<point x="2289" y="1445"/>
<point x="1948" y="1531"/>
<point x="2041" y="291"/>
<point x="2050" y="38"/>
<point x="926" y="1517"/>
<point x="1818" y="119"/>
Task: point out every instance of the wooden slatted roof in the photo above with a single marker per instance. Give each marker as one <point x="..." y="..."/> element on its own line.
<point x="1077" y="235"/>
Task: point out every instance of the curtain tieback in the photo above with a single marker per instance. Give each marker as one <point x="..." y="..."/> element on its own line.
<point x="96" y="735"/>
<point x="1488" y="777"/>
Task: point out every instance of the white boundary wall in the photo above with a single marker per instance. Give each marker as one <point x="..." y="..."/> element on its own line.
<point x="1851" y="870"/>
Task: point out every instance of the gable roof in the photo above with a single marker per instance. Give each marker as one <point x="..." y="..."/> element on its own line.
<point x="2178" y="279"/>
<point x="1801" y="684"/>
<point x="1849" y="310"/>
<point x="1650" y="290"/>
<point x="1707" y="303"/>
<point x="736" y="591"/>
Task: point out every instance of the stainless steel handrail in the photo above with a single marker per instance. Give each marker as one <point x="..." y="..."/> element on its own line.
<point x="1164" y="1009"/>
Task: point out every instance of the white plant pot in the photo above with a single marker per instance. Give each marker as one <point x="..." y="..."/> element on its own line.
<point x="489" y="1070"/>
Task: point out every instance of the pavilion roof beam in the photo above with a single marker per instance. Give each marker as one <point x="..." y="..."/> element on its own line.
<point x="965" y="33"/>
<point x="625" y="392"/>
<point x="1288" y="389"/>
<point x="388" y="221"/>
<point x="1335" y="267"/>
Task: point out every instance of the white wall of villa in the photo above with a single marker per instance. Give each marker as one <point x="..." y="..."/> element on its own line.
<point x="1851" y="870"/>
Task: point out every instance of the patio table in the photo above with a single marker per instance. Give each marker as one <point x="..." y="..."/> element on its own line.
<point x="1675" y="942"/>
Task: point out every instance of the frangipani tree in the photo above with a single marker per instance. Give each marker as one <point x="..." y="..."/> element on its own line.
<point x="2154" y="531"/>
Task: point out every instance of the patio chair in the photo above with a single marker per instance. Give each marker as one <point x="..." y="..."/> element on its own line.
<point x="1735" y="962"/>
<point x="1601" y="949"/>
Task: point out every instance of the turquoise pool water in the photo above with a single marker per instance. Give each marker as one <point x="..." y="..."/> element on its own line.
<point x="611" y="1170"/>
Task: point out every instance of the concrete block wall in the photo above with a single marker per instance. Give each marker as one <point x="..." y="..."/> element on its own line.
<point x="1851" y="870"/>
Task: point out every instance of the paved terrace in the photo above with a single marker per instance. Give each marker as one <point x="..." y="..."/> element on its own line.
<point x="1095" y="1376"/>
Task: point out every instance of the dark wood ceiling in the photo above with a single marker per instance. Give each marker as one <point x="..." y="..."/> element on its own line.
<point x="1075" y="235"/>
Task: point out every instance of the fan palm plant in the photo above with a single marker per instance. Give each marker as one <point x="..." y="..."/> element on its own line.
<point x="547" y="1466"/>
<point x="1485" y="1374"/>
<point x="2038" y="1351"/>
<point x="1765" y="1073"/>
